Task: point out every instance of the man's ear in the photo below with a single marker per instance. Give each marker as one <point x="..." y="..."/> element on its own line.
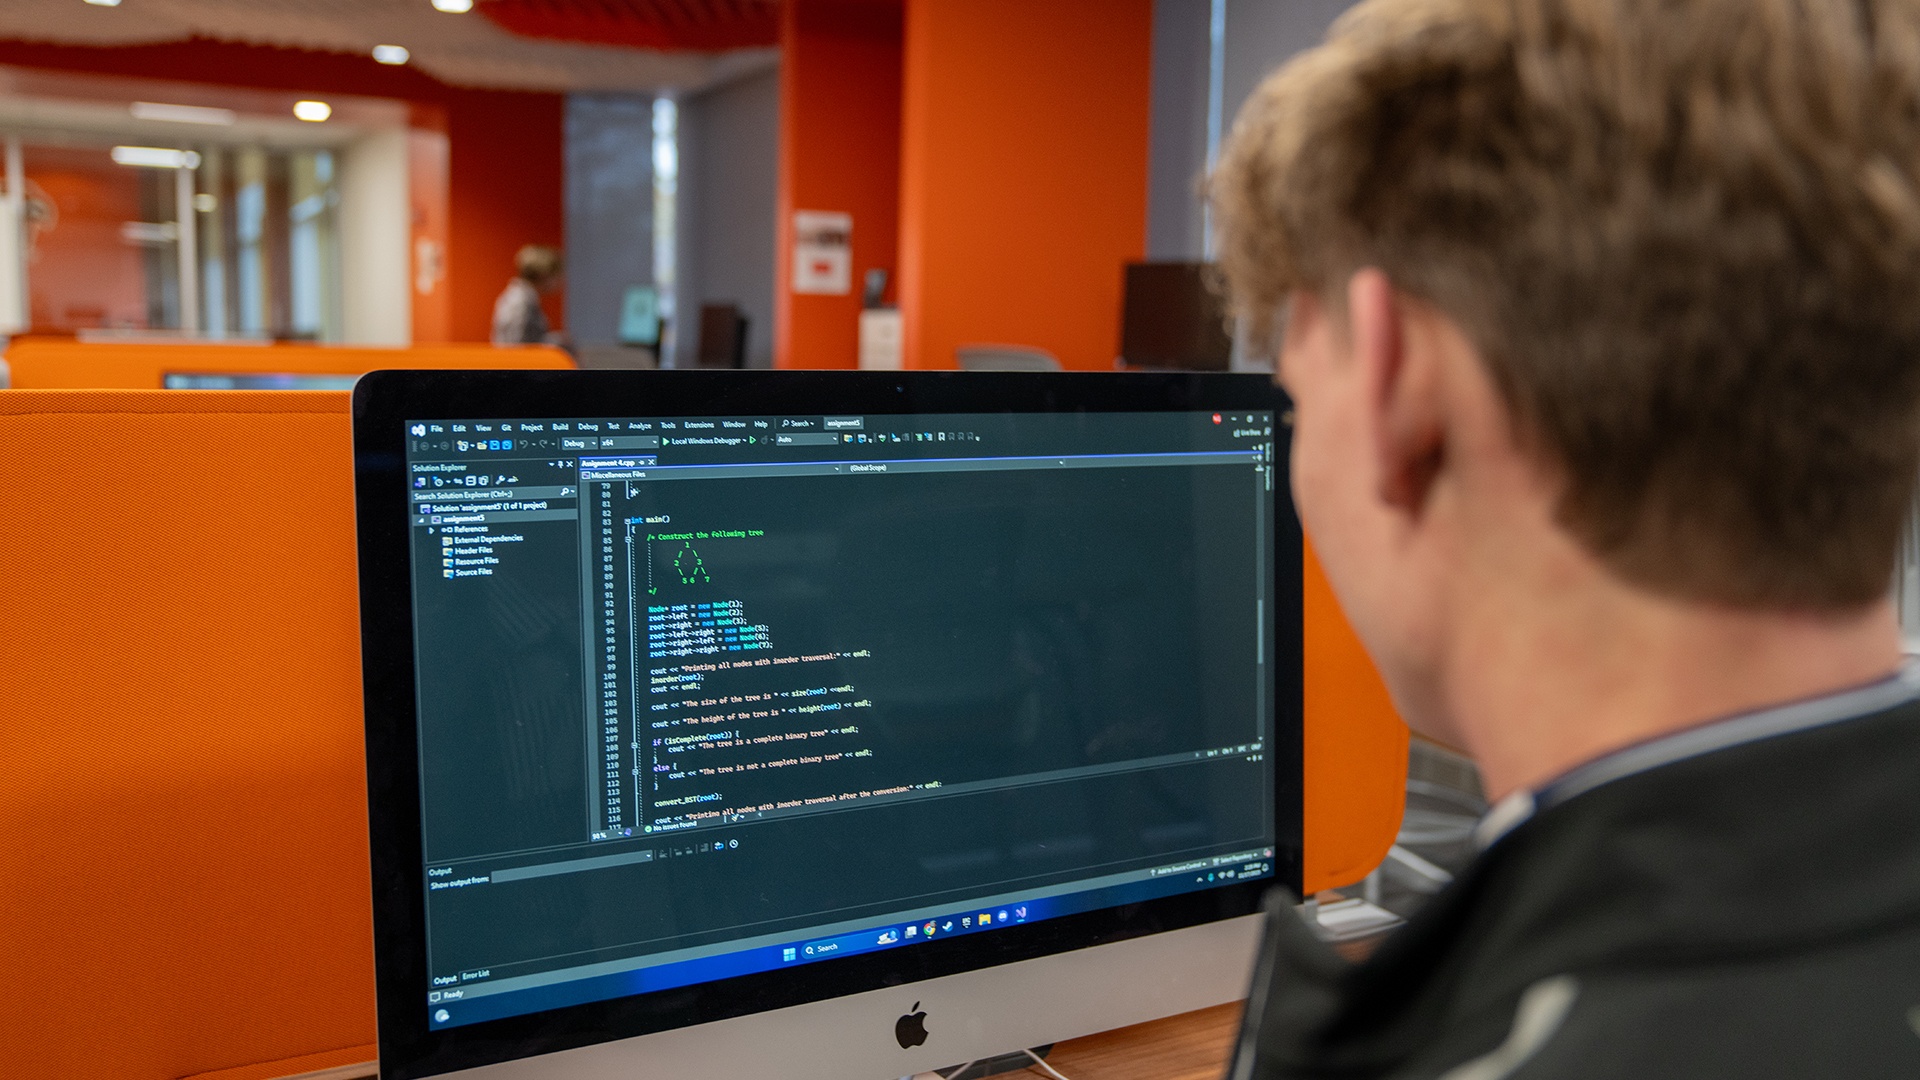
<point x="1402" y="376"/>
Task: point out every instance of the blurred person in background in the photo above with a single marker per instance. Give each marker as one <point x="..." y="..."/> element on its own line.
<point x="517" y="315"/>
<point x="1601" y="320"/>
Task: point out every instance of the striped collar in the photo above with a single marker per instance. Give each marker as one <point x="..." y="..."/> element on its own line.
<point x="1510" y="812"/>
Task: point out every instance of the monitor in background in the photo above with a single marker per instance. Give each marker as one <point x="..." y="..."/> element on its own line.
<point x="241" y="380"/>
<point x="814" y="724"/>
<point x="640" y="317"/>
<point x="1173" y="318"/>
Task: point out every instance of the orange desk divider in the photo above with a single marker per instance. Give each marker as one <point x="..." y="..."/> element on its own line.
<point x="183" y="832"/>
<point x="53" y="364"/>
<point x="1355" y="752"/>
<point x="183" y="837"/>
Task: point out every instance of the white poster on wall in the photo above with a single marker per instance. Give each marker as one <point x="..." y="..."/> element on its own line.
<point x="822" y="252"/>
<point x="13" y="265"/>
<point x="15" y="243"/>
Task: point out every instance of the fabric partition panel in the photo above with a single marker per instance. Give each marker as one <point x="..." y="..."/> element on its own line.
<point x="41" y="364"/>
<point x="183" y="827"/>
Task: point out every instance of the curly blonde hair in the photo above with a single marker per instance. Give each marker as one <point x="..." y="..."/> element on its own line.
<point x="1685" y="237"/>
<point x="538" y="263"/>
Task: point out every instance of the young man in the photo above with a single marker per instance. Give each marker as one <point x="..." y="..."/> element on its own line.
<point x="517" y="316"/>
<point x="1602" y="325"/>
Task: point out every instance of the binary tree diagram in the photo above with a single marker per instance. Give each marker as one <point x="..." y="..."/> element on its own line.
<point x="688" y="564"/>
<point x="688" y="620"/>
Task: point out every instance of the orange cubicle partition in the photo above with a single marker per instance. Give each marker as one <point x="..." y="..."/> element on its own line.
<point x="1355" y="750"/>
<point x="56" y="364"/>
<point x="183" y="834"/>
<point x="183" y="814"/>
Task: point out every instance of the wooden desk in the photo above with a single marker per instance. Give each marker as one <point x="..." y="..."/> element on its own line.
<point x="1192" y="1046"/>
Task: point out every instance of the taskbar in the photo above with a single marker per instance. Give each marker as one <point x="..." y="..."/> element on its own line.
<point x="478" y="1004"/>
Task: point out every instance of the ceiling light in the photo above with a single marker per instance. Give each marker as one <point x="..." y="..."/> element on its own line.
<point x="391" y="54"/>
<point x="312" y="111"/>
<point x="149" y="232"/>
<point x="104" y="3"/>
<point x="182" y="114"/>
<point x="453" y="6"/>
<point x="155" y="157"/>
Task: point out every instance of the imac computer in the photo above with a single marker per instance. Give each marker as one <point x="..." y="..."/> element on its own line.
<point x="814" y="724"/>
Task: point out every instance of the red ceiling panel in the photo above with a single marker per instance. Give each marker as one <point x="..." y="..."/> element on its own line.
<point x="648" y="24"/>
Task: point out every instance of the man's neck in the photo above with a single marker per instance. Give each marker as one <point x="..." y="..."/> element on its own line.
<point x="1537" y="693"/>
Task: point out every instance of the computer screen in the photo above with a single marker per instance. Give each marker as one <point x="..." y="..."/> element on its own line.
<point x="717" y="697"/>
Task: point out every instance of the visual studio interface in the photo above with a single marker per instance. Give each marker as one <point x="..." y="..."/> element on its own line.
<point x="702" y="696"/>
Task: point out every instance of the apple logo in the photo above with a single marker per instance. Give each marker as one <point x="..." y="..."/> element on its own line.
<point x="911" y="1030"/>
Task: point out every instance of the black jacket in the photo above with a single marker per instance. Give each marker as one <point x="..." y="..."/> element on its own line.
<point x="1751" y="912"/>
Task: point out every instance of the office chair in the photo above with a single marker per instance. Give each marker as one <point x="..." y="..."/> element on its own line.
<point x="723" y="336"/>
<point x="1005" y="358"/>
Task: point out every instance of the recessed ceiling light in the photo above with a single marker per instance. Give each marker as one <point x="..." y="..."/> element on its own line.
<point x="453" y="6"/>
<point x="155" y="157"/>
<point x="149" y="232"/>
<point x="182" y="114"/>
<point x="391" y="54"/>
<point x="104" y="3"/>
<point x="312" y="111"/>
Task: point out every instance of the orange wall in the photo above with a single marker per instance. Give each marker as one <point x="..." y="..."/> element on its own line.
<point x="1353" y="746"/>
<point x="1023" y="174"/>
<point x="839" y="151"/>
<point x="505" y="154"/>
<point x="506" y="164"/>
<point x="83" y="273"/>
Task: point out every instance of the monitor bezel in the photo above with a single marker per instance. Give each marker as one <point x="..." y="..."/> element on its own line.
<point x="384" y="401"/>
